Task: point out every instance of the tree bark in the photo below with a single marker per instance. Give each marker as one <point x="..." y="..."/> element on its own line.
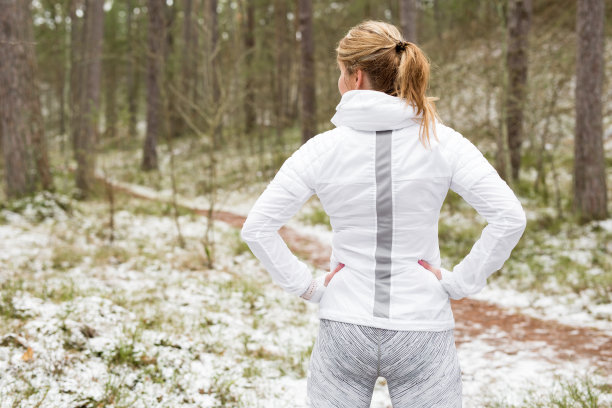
<point x="76" y="72"/>
<point x="111" y="83"/>
<point x="408" y="19"/>
<point x="590" y="194"/>
<point x="281" y="71"/>
<point x="132" y="77"/>
<point x="438" y="18"/>
<point x="38" y="143"/>
<point x="85" y="90"/>
<point x="23" y="143"/>
<point x="172" y="118"/>
<point x="249" y="44"/>
<point x="213" y="20"/>
<point x="18" y="175"/>
<point x="214" y="44"/>
<point x="519" y="20"/>
<point x="307" y="72"/>
<point x="188" y="69"/>
<point x="156" y="38"/>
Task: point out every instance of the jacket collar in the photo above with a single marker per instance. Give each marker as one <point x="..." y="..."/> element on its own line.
<point x="365" y="109"/>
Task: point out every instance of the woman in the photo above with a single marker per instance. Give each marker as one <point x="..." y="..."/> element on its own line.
<point x="382" y="175"/>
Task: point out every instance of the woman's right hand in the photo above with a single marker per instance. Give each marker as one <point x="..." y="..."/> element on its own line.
<point x="330" y="275"/>
<point x="435" y="271"/>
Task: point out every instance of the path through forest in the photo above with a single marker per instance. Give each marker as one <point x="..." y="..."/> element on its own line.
<point x="503" y="330"/>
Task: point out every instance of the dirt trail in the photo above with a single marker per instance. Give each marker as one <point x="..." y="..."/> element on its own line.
<point x="473" y="318"/>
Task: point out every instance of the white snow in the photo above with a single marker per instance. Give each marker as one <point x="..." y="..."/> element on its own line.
<point x="137" y="327"/>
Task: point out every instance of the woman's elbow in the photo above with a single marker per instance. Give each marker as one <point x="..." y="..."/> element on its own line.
<point x="518" y="218"/>
<point x="249" y="231"/>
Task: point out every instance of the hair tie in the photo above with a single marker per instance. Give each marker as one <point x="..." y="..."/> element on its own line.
<point x="401" y="46"/>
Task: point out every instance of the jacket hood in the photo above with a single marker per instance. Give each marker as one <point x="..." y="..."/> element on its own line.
<point x="365" y="109"/>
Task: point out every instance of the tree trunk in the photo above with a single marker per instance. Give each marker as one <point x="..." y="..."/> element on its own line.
<point x="156" y="38"/>
<point x="89" y="91"/>
<point x="307" y="73"/>
<point x="249" y="45"/>
<point x="214" y="71"/>
<point x="38" y="144"/>
<point x="519" y="16"/>
<point x="111" y="83"/>
<point x="76" y="72"/>
<point x="590" y="194"/>
<point x="172" y="119"/>
<point x="132" y="78"/>
<point x="281" y="72"/>
<point x="438" y="19"/>
<point x="17" y="172"/>
<point x="214" y="44"/>
<point x="23" y="143"/>
<point x="408" y="19"/>
<point x="60" y="69"/>
<point x="188" y="69"/>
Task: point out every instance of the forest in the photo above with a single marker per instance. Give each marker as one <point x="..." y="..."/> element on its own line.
<point x="137" y="134"/>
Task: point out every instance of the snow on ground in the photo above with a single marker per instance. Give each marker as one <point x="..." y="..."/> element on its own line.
<point x="571" y="309"/>
<point x="142" y="322"/>
<point x="508" y="376"/>
<point x="141" y="330"/>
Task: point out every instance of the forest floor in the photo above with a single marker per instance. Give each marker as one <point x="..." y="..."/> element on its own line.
<point x="142" y="321"/>
<point x="491" y="329"/>
<point x="129" y="316"/>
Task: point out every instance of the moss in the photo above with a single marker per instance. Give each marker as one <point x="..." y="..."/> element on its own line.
<point x="251" y="371"/>
<point x="64" y="293"/>
<point x="110" y="254"/>
<point x="8" y="290"/>
<point x="66" y="256"/>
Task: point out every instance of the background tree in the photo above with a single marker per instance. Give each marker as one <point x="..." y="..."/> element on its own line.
<point x="249" y="45"/>
<point x="87" y="90"/>
<point x="307" y="71"/>
<point x="188" y="66"/>
<point x="133" y="64"/>
<point x="281" y="64"/>
<point x="519" y="17"/>
<point x="111" y="63"/>
<point x="156" y="37"/>
<point x="212" y="85"/>
<point x="23" y="141"/>
<point x="590" y="193"/>
<point x="408" y="20"/>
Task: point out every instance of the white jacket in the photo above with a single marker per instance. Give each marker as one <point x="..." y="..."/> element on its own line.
<point x="383" y="191"/>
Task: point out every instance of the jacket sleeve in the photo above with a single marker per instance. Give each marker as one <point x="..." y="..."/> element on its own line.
<point x="291" y="187"/>
<point x="477" y="181"/>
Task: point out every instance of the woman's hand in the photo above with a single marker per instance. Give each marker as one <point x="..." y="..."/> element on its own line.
<point x="315" y="291"/>
<point x="330" y="275"/>
<point x="433" y="270"/>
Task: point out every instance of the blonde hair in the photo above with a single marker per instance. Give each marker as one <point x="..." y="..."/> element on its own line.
<point x="394" y="66"/>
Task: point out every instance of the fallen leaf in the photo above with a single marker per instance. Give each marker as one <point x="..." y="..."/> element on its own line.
<point x="28" y="355"/>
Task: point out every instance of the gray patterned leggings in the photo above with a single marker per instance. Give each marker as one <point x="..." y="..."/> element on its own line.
<point x="421" y="367"/>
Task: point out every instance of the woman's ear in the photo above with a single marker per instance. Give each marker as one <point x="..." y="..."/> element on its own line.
<point x="358" y="79"/>
<point x="361" y="81"/>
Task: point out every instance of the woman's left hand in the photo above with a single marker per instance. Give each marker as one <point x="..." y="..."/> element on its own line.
<point x="330" y="275"/>
<point x="433" y="270"/>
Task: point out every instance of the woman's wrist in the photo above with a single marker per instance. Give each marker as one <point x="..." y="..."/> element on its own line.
<point x="315" y="291"/>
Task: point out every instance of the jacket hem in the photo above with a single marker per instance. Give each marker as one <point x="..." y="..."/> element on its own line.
<point x="391" y="324"/>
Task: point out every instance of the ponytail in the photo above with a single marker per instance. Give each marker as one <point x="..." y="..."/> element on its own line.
<point x="396" y="67"/>
<point x="411" y="84"/>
